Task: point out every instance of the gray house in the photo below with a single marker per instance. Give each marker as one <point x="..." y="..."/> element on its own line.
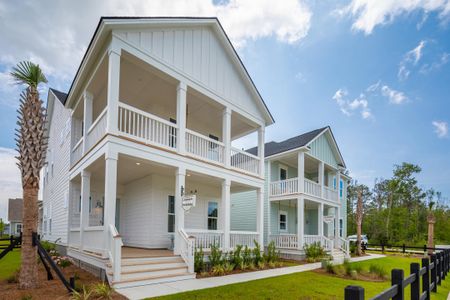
<point x="15" y="208"/>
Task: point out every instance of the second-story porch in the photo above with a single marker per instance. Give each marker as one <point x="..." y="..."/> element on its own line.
<point x="132" y="99"/>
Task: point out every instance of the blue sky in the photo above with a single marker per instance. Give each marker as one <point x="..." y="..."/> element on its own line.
<point x="378" y="74"/>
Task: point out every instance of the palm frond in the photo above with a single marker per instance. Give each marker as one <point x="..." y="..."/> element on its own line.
<point x="28" y="73"/>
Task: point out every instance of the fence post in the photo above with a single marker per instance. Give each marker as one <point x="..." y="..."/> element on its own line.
<point x="434" y="272"/>
<point x="404" y="248"/>
<point x="444" y="264"/>
<point x="11" y="239"/>
<point x="439" y="269"/>
<point x="415" y="286"/>
<point x="425" y="248"/>
<point x="426" y="276"/>
<point x="397" y="277"/>
<point x="354" y="292"/>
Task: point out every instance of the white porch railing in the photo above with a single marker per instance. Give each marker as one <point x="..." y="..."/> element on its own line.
<point x="204" y="147"/>
<point x="312" y="188"/>
<point x="205" y="238"/>
<point x="115" y="253"/>
<point x="187" y="249"/>
<point x="148" y="128"/>
<point x="244" y="161"/>
<point x="330" y="194"/>
<point x="244" y="238"/>
<point x="97" y="130"/>
<point x="324" y="241"/>
<point x="284" y="187"/>
<point x="77" y="152"/>
<point x="286" y="241"/>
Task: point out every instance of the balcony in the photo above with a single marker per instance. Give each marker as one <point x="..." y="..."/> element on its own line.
<point x="290" y="187"/>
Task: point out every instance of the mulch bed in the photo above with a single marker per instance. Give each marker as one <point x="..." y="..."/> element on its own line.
<point x="51" y="289"/>
<point x="364" y="276"/>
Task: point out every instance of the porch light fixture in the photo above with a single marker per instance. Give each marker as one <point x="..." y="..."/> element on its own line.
<point x="138" y="163"/>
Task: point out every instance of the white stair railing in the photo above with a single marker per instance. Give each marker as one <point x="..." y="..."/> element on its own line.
<point x="187" y="249"/>
<point x="344" y="246"/>
<point x="325" y="242"/>
<point x="286" y="241"/>
<point x="115" y="253"/>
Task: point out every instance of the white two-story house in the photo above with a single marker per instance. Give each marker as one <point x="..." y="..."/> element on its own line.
<point x="147" y="126"/>
<point x="305" y="195"/>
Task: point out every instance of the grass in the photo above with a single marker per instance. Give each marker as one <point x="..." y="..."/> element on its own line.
<point x="309" y="285"/>
<point x="9" y="264"/>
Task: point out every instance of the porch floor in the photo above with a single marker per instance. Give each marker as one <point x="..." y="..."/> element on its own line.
<point x="133" y="252"/>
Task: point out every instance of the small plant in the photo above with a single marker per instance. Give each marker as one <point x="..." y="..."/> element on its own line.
<point x="199" y="263"/>
<point x="27" y="297"/>
<point x="247" y="256"/>
<point x="314" y="251"/>
<point x="261" y="265"/>
<point x="236" y="256"/>
<point x="83" y="294"/>
<point x="257" y="257"/>
<point x="63" y="261"/>
<point x="48" y="246"/>
<point x="103" y="291"/>
<point x="228" y="267"/>
<point x="378" y="270"/>
<point x="272" y="255"/>
<point x="329" y="267"/>
<point x="215" y="257"/>
<point x="350" y="268"/>
<point x="218" y="270"/>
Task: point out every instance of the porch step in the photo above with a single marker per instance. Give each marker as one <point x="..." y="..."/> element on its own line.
<point x="150" y="270"/>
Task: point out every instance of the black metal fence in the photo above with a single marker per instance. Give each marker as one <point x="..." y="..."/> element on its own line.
<point x="422" y="280"/>
<point x="397" y="248"/>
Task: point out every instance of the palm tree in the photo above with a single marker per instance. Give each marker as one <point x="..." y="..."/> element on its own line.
<point x="32" y="148"/>
<point x="431" y="220"/>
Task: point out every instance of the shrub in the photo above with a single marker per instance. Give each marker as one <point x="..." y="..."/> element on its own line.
<point x="329" y="267"/>
<point x="261" y="264"/>
<point x="378" y="270"/>
<point x="236" y="258"/>
<point x="103" y="291"/>
<point x="247" y="256"/>
<point x="63" y="261"/>
<point x="228" y="267"/>
<point x="272" y="253"/>
<point x="350" y="268"/>
<point x="215" y="257"/>
<point x="48" y="246"/>
<point x="314" y="251"/>
<point x="83" y="294"/>
<point x="257" y="257"/>
<point x="218" y="270"/>
<point x="199" y="263"/>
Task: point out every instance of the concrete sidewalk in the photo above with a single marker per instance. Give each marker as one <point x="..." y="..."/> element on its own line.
<point x="169" y="288"/>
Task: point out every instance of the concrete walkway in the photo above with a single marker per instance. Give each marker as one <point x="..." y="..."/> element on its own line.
<point x="162" y="289"/>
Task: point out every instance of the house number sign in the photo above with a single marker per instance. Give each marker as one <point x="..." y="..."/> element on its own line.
<point x="188" y="201"/>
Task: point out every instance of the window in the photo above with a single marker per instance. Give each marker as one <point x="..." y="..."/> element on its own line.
<point x="212" y="215"/>
<point x="341" y="188"/>
<point x="171" y="211"/>
<point x="334" y="183"/>
<point x="283" y="173"/>
<point x="18" y="228"/>
<point x="173" y="134"/>
<point x="282" y="221"/>
<point x="341" y="227"/>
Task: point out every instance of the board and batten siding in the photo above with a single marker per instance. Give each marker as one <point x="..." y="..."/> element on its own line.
<point x="56" y="175"/>
<point x="321" y="149"/>
<point x="197" y="53"/>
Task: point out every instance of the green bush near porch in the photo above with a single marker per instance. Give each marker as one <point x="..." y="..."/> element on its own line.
<point x="309" y="285"/>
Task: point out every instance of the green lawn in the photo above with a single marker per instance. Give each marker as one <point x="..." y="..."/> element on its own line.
<point x="308" y="285"/>
<point x="9" y="264"/>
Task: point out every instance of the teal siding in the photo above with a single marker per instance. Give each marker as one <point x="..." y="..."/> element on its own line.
<point x="275" y="208"/>
<point x="243" y="211"/>
<point x="275" y="173"/>
<point x="321" y="149"/>
<point x="311" y="221"/>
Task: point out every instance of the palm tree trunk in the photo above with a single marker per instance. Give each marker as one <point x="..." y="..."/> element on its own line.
<point x="28" y="274"/>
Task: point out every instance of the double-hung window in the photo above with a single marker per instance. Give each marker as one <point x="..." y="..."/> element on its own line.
<point x="171" y="213"/>
<point x="212" y="215"/>
<point x="282" y="221"/>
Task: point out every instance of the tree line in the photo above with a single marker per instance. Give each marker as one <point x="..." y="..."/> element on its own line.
<point x="397" y="210"/>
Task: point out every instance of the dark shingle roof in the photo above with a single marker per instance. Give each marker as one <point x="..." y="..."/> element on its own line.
<point x="62" y="97"/>
<point x="272" y="148"/>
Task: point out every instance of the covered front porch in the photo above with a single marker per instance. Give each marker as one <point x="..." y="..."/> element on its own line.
<point x="297" y="222"/>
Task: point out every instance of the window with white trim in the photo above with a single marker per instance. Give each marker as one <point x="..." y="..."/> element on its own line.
<point x="283" y="172"/>
<point x="282" y="221"/>
<point x="341" y="188"/>
<point x="341" y="227"/>
<point x="212" y="215"/>
<point x="171" y="212"/>
<point x="18" y="228"/>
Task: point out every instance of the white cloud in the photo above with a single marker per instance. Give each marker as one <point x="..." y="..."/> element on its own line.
<point x="440" y="128"/>
<point x="58" y="43"/>
<point x="368" y="14"/>
<point x="411" y="58"/>
<point x="10" y="181"/>
<point x="442" y="60"/>
<point x="395" y="97"/>
<point x="347" y="107"/>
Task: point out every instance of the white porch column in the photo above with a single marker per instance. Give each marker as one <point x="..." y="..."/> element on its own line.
<point x="301" y="171"/>
<point x="113" y="89"/>
<point x="226" y="135"/>
<point x="321" y="177"/>
<point x="300" y="221"/>
<point x="84" y="213"/>
<point x="225" y="212"/>
<point x="87" y="122"/>
<point x="181" y="117"/>
<point x="268" y="181"/>
<point x="260" y="215"/>
<point x="180" y="187"/>
<point x="261" y="131"/>
<point x="320" y="219"/>
<point x="337" y="217"/>
<point x="109" y="207"/>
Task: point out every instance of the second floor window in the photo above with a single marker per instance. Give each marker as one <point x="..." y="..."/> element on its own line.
<point x="212" y="215"/>
<point x="341" y="188"/>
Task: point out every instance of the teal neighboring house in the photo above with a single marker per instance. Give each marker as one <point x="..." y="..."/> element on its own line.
<point x="305" y="195"/>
